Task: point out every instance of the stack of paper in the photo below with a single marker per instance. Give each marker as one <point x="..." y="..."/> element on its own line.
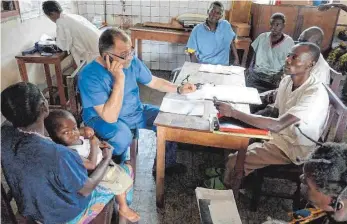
<point x="221" y="205"/>
<point x="186" y="107"/>
<point x="234" y="94"/>
<point x="222" y="69"/>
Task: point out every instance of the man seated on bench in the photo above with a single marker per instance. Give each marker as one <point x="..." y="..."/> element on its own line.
<point x="270" y="49"/>
<point x="110" y="95"/>
<point x="210" y="42"/>
<point x="321" y="70"/>
<point x="302" y="100"/>
<point x="325" y="180"/>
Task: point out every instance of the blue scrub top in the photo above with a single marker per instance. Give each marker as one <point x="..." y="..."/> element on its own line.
<point x="95" y="84"/>
<point x="212" y="47"/>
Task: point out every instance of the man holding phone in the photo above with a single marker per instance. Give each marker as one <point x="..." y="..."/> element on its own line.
<point x="110" y="94"/>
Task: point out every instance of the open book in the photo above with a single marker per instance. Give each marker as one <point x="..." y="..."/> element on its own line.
<point x="217" y="206"/>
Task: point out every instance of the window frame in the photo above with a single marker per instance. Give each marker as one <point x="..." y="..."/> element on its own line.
<point x="16" y="12"/>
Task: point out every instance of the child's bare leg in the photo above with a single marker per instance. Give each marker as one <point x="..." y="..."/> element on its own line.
<point x="124" y="209"/>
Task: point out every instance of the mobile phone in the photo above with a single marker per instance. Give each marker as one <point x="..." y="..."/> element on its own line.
<point x="111" y="59"/>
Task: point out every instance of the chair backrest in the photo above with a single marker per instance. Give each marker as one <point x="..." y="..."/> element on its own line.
<point x="75" y="105"/>
<point x="336" y="77"/>
<point x="7" y="214"/>
<point x="337" y="120"/>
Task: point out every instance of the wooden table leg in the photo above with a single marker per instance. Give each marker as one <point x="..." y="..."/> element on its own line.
<point x="22" y="70"/>
<point x="49" y="82"/>
<point x="139" y="49"/>
<point x="244" y="57"/>
<point x="59" y="74"/>
<point x="160" y="166"/>
<point x="239" y="170"/>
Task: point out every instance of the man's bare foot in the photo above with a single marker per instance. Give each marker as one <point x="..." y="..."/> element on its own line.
<point x="129" y="214"/>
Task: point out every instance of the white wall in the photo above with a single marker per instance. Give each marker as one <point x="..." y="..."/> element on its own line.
<point x="156" y="55"/>
<point x="17" y="36"/>
<point x="343" y="15"/>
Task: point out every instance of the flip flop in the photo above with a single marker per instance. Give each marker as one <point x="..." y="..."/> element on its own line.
<point x="214" y="172"/>
<point x="131" y="219"/>
<point x="215" y="183"/>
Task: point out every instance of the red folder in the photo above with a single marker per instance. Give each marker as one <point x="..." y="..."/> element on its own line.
<point x="236" y="126"/>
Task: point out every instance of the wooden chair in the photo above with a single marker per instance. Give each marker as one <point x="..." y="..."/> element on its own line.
<point x="336" y="78"/>
<point x="74" y="101"/>
<point x="9" y="217"/>
<point x="334" y="131"/>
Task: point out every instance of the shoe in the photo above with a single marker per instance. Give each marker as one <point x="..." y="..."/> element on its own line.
<point x="178" y="168"/>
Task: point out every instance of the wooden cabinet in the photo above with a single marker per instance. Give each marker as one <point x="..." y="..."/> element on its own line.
<point x="298" y="18"/>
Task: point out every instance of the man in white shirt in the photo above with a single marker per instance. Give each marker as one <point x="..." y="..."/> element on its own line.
<point x="321" y="70"/>
<point x="75" y="33"/>
<point x="302" y="100"/>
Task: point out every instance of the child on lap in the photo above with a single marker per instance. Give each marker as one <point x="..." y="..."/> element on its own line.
<point x="62" y="128"/>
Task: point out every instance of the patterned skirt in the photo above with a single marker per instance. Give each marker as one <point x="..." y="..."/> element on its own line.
<point x="100" y="197"/>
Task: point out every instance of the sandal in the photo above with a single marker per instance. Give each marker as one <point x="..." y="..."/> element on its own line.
<point x="214" y="172"/>
<point x="215" y="183"/>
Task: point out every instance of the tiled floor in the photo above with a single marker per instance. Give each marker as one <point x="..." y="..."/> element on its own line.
<point x="180" y="202"/>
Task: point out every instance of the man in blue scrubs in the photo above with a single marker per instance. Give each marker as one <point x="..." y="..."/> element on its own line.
<point x="210" y="42"/>
<point x="110" y="94"/>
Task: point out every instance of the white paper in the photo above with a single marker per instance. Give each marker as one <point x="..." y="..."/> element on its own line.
<point x="222" y="69"/>
<point x="187" y="107"/>
<point x="224" y="212"/>
<point x="204" y="193"/>
<point x="235" y="94"/>
<point x="222" y="207"/>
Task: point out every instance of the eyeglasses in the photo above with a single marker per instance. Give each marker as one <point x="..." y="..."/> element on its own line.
<point x="124" y="56"/>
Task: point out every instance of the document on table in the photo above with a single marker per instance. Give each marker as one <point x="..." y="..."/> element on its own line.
<point x="186" y="107"/>
<point x="222" y="69"/>
<point x="234" y="94"/>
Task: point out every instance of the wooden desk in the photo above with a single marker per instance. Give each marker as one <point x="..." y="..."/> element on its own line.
<point x="196" y="130"/>
<point x="55" y="59"/>
<point x="139" y="33"/>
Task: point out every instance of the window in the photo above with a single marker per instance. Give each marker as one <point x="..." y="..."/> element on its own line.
<point x="9" y="8"/>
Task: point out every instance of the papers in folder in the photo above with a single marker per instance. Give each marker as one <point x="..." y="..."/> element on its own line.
<point x="234" y="94"/>
<point x="222" y="69"/>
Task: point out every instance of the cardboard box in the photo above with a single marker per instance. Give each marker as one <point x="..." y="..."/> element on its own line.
<point x="241" y="29"/>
